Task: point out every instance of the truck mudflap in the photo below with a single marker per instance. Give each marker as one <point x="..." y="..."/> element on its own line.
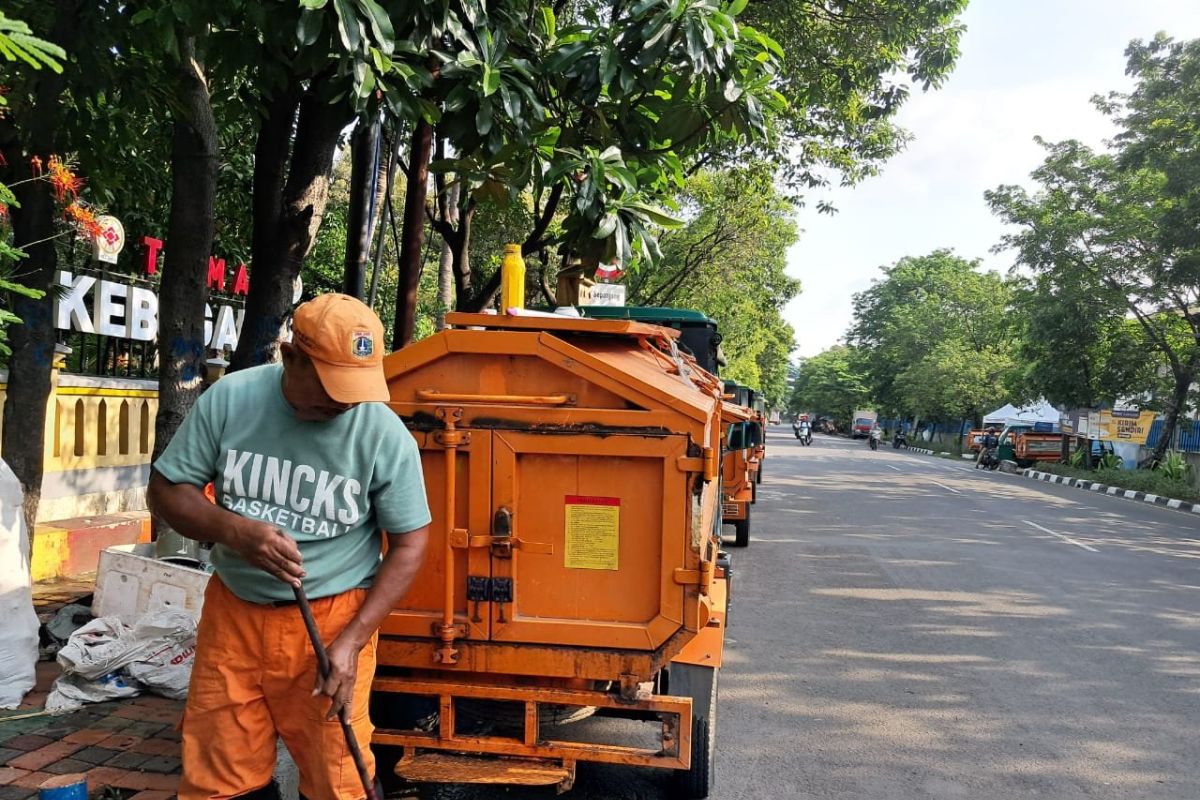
<point x="529" y="757"/>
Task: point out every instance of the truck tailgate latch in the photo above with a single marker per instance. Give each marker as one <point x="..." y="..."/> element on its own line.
<point x="504" y="541"/>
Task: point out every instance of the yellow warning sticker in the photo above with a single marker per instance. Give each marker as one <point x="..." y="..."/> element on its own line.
<point x="593" y="532"/>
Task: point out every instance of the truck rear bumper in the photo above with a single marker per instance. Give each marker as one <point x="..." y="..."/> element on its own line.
<point x="526" y="755"/>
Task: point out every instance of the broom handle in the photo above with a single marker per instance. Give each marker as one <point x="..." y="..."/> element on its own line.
<point x="343" y="715"/>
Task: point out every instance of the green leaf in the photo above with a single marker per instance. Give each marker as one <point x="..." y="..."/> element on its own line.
<point x="309" y="27"/>
<point x="512" y="105"/>
<point x="313" y="5"/>
<point x="607" y="225"/>
<point x="548" y="22"/>
<point x="349" y="27"/>
<point x="608" y="65"/>
<point x="381" y="24"/>
<point x="491" y="81"/>
<point x="656" y="215"/>
<point x="736" y="7"/>
<point x="483" y="119"/>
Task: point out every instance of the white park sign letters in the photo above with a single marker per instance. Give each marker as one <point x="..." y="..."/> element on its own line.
<point x="125" y="311"/>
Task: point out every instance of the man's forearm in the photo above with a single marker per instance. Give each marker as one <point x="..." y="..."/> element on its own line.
<point x="405" y="554"/>
<point x="185" y="508"/>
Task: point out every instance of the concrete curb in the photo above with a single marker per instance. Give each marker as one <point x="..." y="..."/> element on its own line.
<point x="1112" y="491"/>
<point x="938" y="453"/>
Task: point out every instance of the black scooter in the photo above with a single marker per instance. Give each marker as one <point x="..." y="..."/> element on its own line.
<point x="988" y="459"/>
<point x="900" y="440"/>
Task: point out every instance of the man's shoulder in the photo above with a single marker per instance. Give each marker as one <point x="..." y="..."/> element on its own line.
<point x="383" y="422"/>
<point x="251" y="379"/>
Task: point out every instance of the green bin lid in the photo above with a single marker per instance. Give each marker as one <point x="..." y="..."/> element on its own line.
<point x="652" y="314"/>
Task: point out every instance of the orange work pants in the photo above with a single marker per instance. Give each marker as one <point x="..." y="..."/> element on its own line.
<point x="252" y="681"/>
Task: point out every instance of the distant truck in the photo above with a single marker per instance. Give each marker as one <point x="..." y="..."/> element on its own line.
<point x="863" y="421"/>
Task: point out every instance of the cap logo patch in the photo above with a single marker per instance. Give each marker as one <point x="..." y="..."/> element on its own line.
<point x="362" y="345"/>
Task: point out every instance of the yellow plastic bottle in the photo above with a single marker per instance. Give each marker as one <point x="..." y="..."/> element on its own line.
<point x="512" y="279"/>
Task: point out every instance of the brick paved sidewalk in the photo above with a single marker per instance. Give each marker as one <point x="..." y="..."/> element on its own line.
<point x="128" y="747"/>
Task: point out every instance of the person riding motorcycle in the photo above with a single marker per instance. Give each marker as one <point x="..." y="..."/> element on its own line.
<point x="988" y="444"/>
<point x="876" y="436"/>
<point x="900" y="439"/>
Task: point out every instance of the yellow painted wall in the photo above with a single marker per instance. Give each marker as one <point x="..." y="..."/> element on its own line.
<point x="96" y="426"/>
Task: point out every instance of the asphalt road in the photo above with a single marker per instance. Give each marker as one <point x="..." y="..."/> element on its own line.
<point x="907" y="627"/>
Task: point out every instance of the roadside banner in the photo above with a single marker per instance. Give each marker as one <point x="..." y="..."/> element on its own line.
<point x="1128" y="425"/>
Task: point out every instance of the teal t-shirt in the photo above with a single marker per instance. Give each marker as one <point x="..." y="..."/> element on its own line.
<point x="332" y="485"/>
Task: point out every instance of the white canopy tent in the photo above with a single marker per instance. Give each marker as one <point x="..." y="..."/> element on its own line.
<point x="1041" y="411"/>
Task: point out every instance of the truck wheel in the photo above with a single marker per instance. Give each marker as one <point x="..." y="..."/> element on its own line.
<point x="697" y="782"/>
<point x="741" y="531"/>
<point x="758" y="475"/>
<point x="753" y="492"/>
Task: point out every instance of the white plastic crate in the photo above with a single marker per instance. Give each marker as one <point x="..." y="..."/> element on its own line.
<point x="130" y="581"/>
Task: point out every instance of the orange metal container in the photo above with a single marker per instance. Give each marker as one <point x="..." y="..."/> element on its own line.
<point x="571" y="466"/>
<point x="737" y="478"/>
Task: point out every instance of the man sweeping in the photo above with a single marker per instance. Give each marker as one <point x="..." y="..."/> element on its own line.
<point x="313" y="473"/>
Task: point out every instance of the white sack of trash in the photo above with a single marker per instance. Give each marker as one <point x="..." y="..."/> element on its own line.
<point x="108" y="660"/>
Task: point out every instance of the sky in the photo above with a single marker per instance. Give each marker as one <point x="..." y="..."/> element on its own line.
<point x="1027" y="68"/>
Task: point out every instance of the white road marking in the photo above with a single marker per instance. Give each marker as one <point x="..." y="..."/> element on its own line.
<point x="1066" y="539"/>
<point x="889" y="466"/>
<point x="947" y="488"/>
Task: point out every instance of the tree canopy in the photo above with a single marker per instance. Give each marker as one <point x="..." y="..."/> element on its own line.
<point x="935" y="337"/>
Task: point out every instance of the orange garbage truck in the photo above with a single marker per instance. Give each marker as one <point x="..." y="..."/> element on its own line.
<point x="737" y="454"/>
<point x="573" y="470"/>
<point x="758" y="416"/>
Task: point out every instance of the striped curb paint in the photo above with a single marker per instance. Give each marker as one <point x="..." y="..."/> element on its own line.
<point x="1112" y="491"/>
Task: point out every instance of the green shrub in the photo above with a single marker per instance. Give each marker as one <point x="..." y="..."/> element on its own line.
<point x="1175" y="467"/>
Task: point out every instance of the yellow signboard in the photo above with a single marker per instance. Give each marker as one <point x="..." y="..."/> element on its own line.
<point x="593" y="532"/>
<point x="1128" y="426"/>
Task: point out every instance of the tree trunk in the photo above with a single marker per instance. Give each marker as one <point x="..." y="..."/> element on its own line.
<point x="413" y="234"/>
<point x="364" y="189"/>
<point x="271" y="150"/>
<point x="1172" y="413"/>
<point x="446" y="264"/>
<point x="33" y="341"/>
<point x="461" y="266"/>
<point x="383" y="209"/>
<point x="184" y="288"/>
<point x="291" y="237"/>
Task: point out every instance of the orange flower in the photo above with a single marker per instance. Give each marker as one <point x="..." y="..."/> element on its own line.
<point x="35" y="165"/>
<point x="84" y="219"/>
<point x="3" y="213"/>
<point x="63" y="180"/>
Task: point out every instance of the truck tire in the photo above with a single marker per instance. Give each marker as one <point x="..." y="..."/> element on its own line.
<point x="753" y="492"/>
<point x="741" y="531"/>
<point x="758" y="475"/>
<point x="698" y="782"/>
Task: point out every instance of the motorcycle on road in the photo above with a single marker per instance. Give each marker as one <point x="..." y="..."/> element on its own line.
<point x="900" y="440"/>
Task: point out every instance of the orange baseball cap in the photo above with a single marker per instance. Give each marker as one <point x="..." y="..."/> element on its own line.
<point x="344" y="339"/>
